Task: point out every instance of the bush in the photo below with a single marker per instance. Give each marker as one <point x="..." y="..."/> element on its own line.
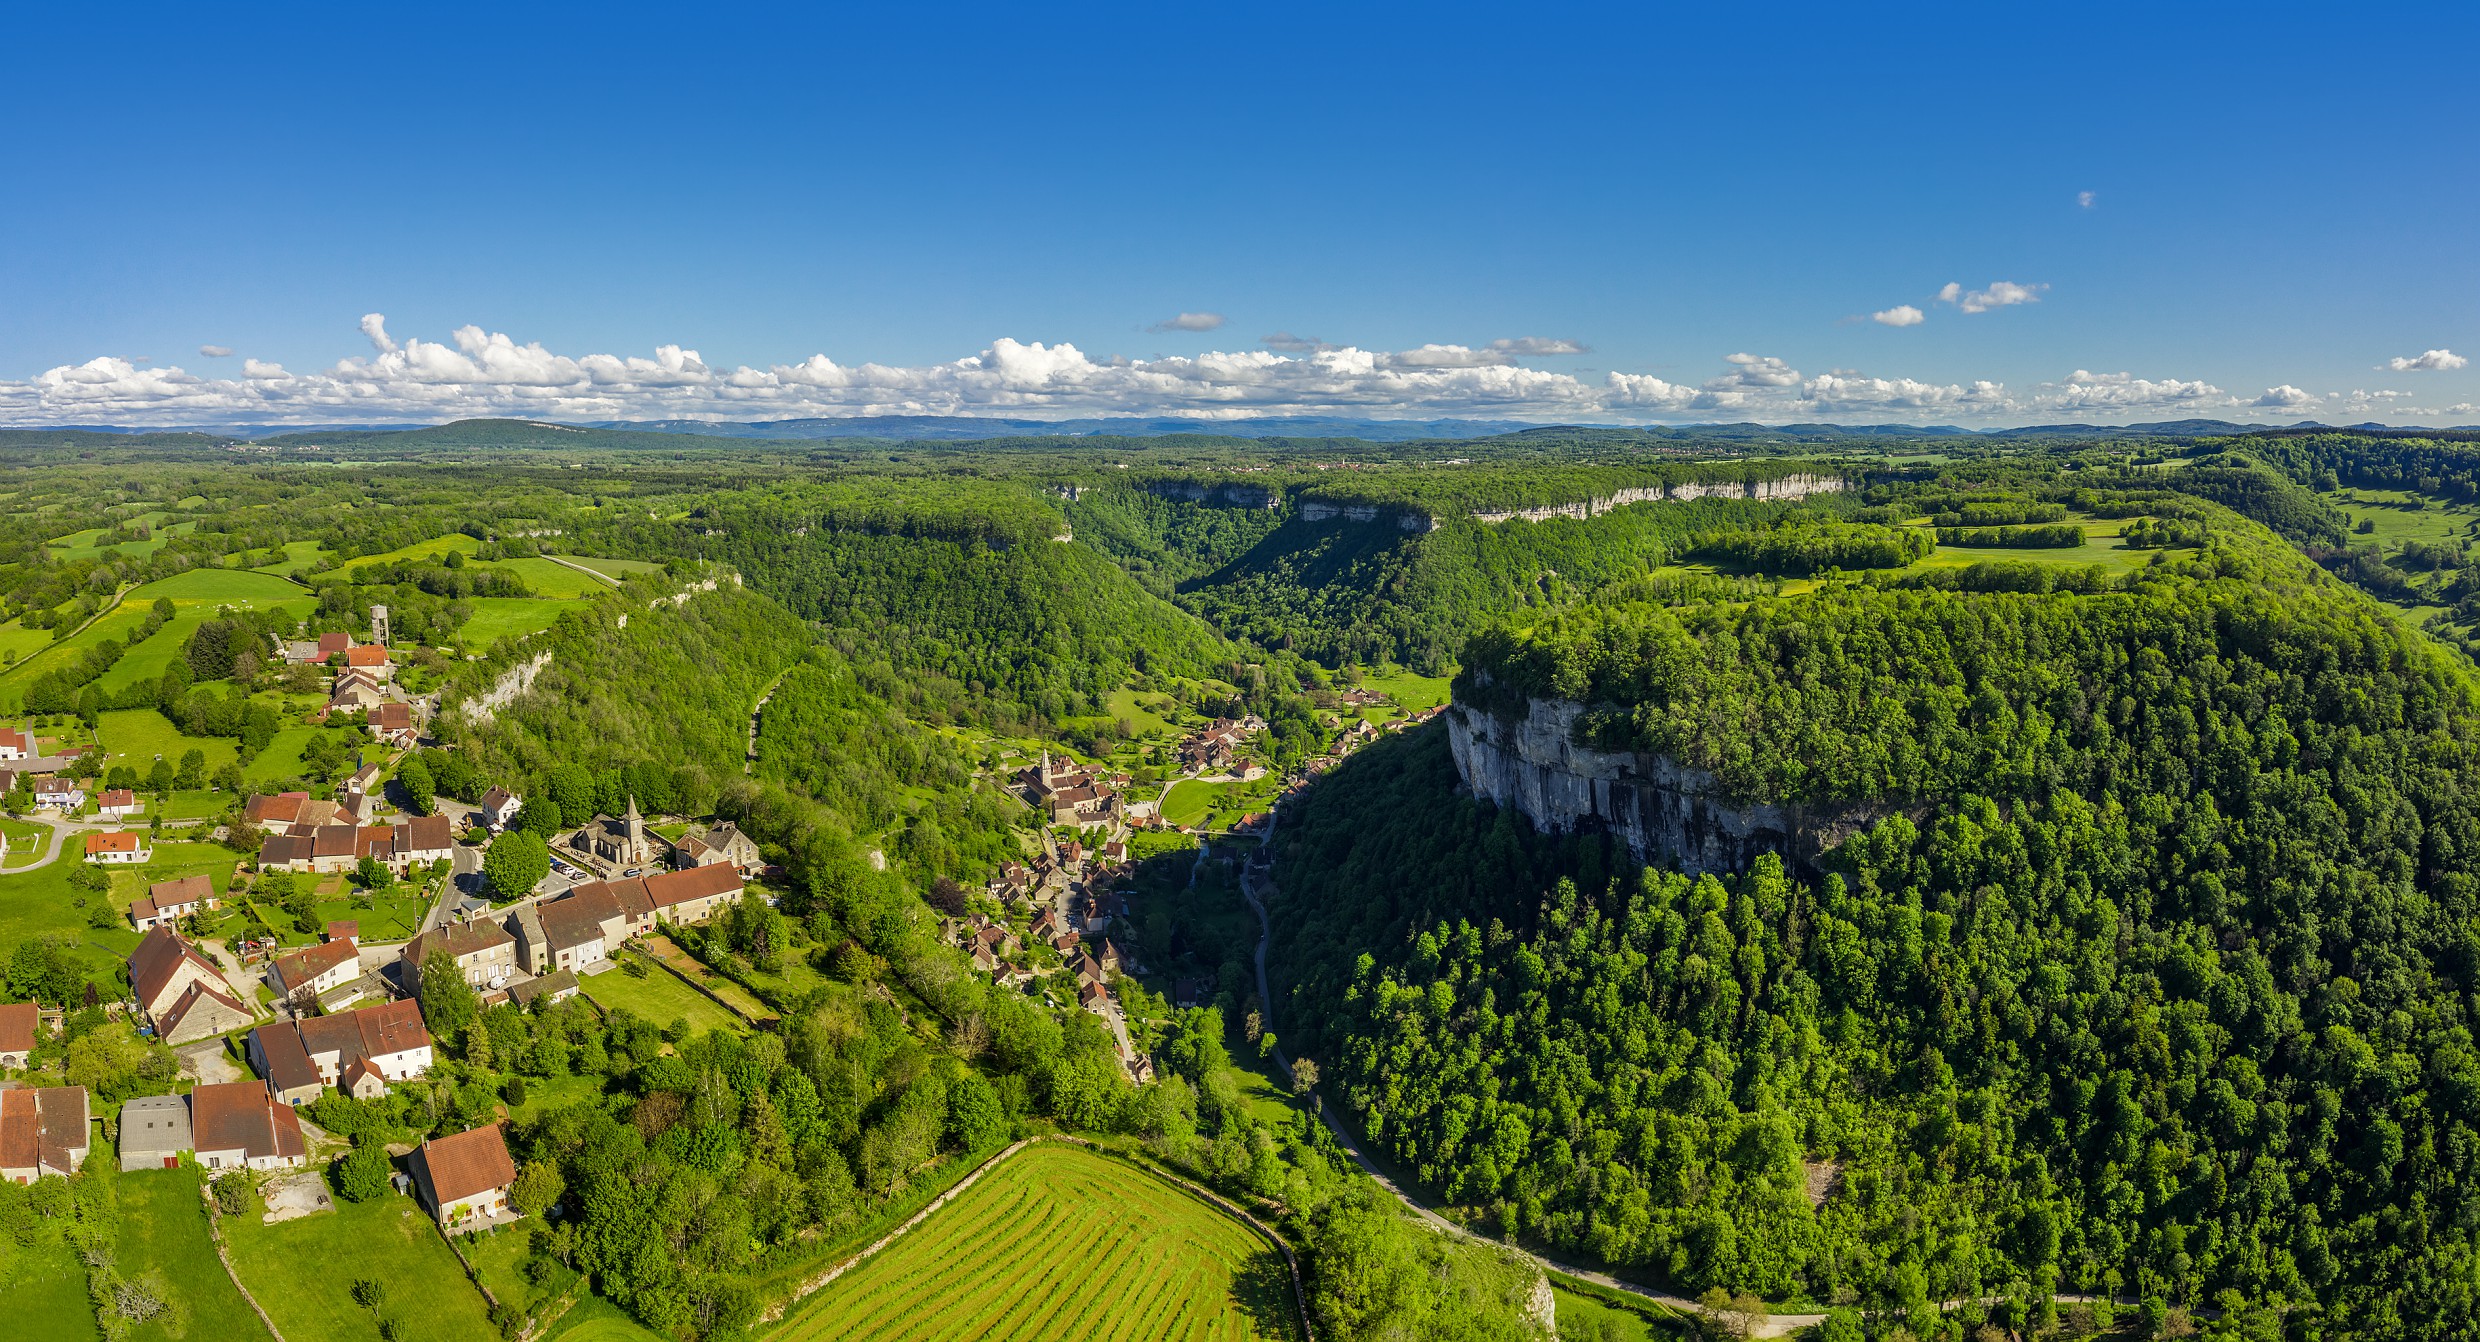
<point x="364" y="1173"/>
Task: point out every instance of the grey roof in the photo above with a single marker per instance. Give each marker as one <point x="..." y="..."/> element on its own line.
<point x="156" y="1124"/>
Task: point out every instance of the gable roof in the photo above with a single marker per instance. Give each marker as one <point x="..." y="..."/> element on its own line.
<point x="197" y="994"/>
<point x="283" y="850"/>
<point x="187" y="890"/>
<point x="242" y="1116"/>
<point x="458" y="940"/>
<point x="679" y="887"/>
<point x="557" y="981"/>
<point x="17" y="1022"/>
<point x="331" y="644"/>
<point x="43" y="1128"/>
<point x="309" y="963"/>
<point x="497" y="798"/>
<point x="281" y="808"/>
<point x="366" y="654"/>
<point x="119" y="796"/>
<point x="468" y="1163"/>
<point x="371" y="1032"/>
<point x="118" y="841"/>
<point x="160" y="955"/>
<point x="426" y="833"/>
<point x="10" y="736"/>
<point x="288" y="1063"/>
<point x="392" y="717"/>
<point x="578" y="916"/>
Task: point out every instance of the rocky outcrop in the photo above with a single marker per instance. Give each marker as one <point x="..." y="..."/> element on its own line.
<point x="1219" y="495"/>
<point x="1663" y="812"/>
<point x="1314" y="510"/>
<point x="1784" y="489"/>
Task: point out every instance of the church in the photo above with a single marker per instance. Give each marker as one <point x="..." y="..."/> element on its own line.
<point x="620" y="843"/>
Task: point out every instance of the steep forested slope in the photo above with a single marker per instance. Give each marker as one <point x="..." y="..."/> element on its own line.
<point x="2162" y="982"/>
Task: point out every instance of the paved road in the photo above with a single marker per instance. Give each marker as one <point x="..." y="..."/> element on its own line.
<point x="1779" y="1325"/>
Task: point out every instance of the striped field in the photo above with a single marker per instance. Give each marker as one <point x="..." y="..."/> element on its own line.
<point x="1057" y="1242"/>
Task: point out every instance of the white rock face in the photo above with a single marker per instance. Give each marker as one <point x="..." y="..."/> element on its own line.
<point x="1663" y="812"/>
<point x="1788" y="487"/>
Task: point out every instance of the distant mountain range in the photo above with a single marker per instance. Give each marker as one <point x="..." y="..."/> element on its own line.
<point x="959" y="428"/>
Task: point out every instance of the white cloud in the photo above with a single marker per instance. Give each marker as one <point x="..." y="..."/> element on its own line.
<point x="2084" y="199"/>
<point x="2287" y="397"/>
<point x="2463" y="408"/>
<point x="216" y="351"/>
<point x="374" y="325"/>
<point x="2434" y="361"/>
<point x="1189" y="321"/>
<point x="2000" y="294"/>
<point x="2124" y="393"/>
<point x="1901" y="314"/>
<point x="481" y="373"/>
<point x="1537" y="347"/>
<point x="1750" y="370"/>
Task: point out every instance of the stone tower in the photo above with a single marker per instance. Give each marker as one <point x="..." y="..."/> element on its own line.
<point x="637" y="834"/>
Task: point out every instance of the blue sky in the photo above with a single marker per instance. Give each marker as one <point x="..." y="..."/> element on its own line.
<point x="911" y="209"/>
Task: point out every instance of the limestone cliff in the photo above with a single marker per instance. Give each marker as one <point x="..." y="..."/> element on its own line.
<point x="1663" y="812"/>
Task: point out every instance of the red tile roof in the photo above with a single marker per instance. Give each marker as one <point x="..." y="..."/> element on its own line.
<point x="468" y="1163"/>
<point x="43" y="1128"/>
<point x="187" y="890"/>
<point x="280" y="809"/>
<point x="240" y="1115"/>
<point x="392" y="717"/>
<point x="367" y="654"/>
<point x="679" y="887"/>
<point x="17" y="1021"/>
<point x="302" y="966"/>
<point x="331" y="644"/>
<point x="426" y="834"/>
<point x="118" y="841"/>
<point x="119" y="796"/>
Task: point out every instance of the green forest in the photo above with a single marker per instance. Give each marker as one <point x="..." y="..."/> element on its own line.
<point x="2137" y="1000"/>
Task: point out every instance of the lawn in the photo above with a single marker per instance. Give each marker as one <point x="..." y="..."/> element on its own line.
<point x="17" y="642"/>
<point x="164" y="1237"/>
<point x="595" y="1319"/>
<point x="1592" y="1313"/>
<point x="297" y="555"/>
<point x="548" y="578"/>
<point x="1217" y="805"/>
<point x="1058" y="1242"/>
<point x="46" y="1293"/>
<point x="617" y="568"/>
<point x="1410" y="692"/>
<point x="436" y="545"/>
<point x="26" y="840"/>
<point x="119" y="623"/>
<point x="498" y="617"/>
<point x="1124" y="707"/>
<point x="2101" y="546"/>
<point x="498" y="1257"/>
<point x="135" y="736"/>
<point x="658" y="997"/>
<point x="35" y="903"/>
<point x="281" y="760"/>
<point x="303" y="1272"/>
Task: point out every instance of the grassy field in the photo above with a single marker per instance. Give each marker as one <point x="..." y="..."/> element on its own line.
<point x="164" y="1231"/>
<point x="282" y="757"/>
<point x="136" y="736"/>
<point x="2396" y="516"/>
<point x="15" y="637"/>
<point x="658" y="997"/>
<point x="1588" y="1313"/>
<point x="118" y="623"/>
<point x="195" y="596"/>
<point x="618" y="568"/>
<point x="498" y="1256"/>
<point x="498" y="617"/>
<point x="595" y="1319"/>
<point x="548" y="578"/>
<point x="297" y="555"/>
<point x="1217" y="805"/>
<point x="1059" y="1242"/>
<point x="436" y="545"/>
<point x="1413" y="693"/>
<point x="39" y="902"/>
<point x="303" y="1272"/>
<point x="46" y="1293"/>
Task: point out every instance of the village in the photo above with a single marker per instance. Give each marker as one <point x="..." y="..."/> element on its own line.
<point x="265" y="1029"/>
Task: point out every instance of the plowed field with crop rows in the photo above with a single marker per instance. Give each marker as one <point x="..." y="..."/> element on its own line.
<point x="1058" y="1242"/>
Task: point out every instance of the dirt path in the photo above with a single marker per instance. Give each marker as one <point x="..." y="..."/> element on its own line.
<point x="749" y="757"/>
<point x="583" y="569"/>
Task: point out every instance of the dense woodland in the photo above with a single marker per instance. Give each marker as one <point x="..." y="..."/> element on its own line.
<point x="2151" y="974"/>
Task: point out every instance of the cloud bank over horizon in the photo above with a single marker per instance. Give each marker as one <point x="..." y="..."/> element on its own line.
<point x="479" y="374"/>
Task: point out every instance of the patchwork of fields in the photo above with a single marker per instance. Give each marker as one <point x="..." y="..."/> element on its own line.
<point x="1057" y="1242"/>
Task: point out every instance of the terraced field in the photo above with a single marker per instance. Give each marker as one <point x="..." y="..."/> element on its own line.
<point x="1059" y="1242"/>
